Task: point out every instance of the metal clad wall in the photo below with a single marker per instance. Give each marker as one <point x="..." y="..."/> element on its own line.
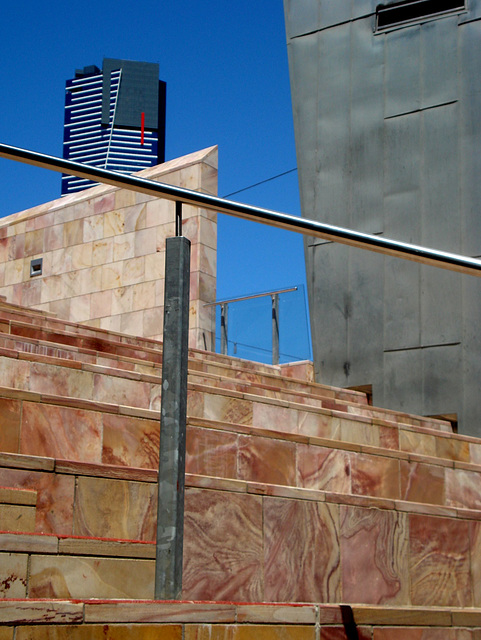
<point x="388" y="133"/>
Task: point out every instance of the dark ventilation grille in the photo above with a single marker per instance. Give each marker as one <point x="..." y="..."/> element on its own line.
<point x="414" y="11"/>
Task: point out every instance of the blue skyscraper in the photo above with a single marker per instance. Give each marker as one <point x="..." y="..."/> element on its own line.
<point x="114" y="119"/>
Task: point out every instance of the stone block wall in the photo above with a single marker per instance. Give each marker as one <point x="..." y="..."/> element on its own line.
<point x="103" y="253"/>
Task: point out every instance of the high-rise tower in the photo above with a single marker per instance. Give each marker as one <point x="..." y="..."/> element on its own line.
<point x="114" y="119"/>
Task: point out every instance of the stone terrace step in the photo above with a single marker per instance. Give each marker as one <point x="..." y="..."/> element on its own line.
<point x="176" y="620"/>
<point x="21" y="323"/>
<point x="240" y="536"/>
<point x="406" y="462"/>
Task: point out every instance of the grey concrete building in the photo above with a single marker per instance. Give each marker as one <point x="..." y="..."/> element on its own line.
<point x="387" y="116"/>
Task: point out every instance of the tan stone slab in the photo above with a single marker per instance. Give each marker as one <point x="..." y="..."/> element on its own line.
<point x="105" y="471"/>
<point x="466" y="617"/>
<point x="138" y="413"/>
<point x="45" y="359"/>
<point x="153" y="611"/>
<point x="13" y="575"/>
<point x="420" y="507"/>
<point x="442" y="462"/>
<point x="100" y="632"/>
<point x="17" y="496"/>
<point x="17" y="517"/>
<point x="468" y="514"/>
<point x="276" y="613"/>
<point x="335" y="444"/>
<point x="6" y="633"/>
<point x="99" y="547"/>
<point x="90" y="577"/>
<point x="283" y="491"/>
<point x="19" y="461"/>
<point x="28" y="543"/>
<point x="221" y="484"/>
<point x="19" y="394"/>
<point x="45" y="612"/>
<point x="330" y="614"/>
<point x="402" y="616"/>
<point x="360" y="501"/>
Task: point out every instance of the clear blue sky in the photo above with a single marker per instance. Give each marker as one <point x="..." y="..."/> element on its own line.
<point x="225" y="65"/>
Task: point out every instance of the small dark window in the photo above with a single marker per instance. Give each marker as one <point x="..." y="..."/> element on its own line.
<point x="413" y="11"/>
<point x="36" y="267"/>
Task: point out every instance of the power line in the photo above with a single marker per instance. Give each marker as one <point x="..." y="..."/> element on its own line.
<point x="279" y="175"/>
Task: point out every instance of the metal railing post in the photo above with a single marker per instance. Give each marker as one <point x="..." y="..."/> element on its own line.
<point x="170" y="505"/>
<point x="275" y="328"/>
<point x="223" y="328"/>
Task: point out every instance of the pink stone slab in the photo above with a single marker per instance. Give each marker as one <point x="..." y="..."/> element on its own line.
<point x="323" y="468"/>
<point x="301" y="551"/>
<point x="267" y="460"/>
<point x="60" y="432"/>
<point x="55" y="496"/>
<point x="439" y="561"/>
<point x="374" y="546"/>
<point x="129" y="441"/>
<point x="422" y="483"/>
<point x="375" y="476"/>
<point x="211" y="453"/>
<point x="222" y="546"/>
<point x="463" y="488"/>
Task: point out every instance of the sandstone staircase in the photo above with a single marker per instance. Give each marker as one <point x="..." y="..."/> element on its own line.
<point x="309" y="513"/>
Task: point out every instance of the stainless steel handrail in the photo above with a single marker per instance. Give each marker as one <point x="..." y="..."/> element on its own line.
<point x="379" y="244"/>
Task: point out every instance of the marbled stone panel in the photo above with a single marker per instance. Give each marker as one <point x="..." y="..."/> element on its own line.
<point x="422" y="483"/>
<point x="267" y="460"/>
<point x="133" y="442"/>
<point x="61" y="381"/>
<point x="211" y="453"/>
<point x="301" y="551"/>
<point x="132" y="393"/>
<point x="463" y="488"/>
<point x="222" y="546"/>
<point x="87" y="577"/>
<point x="274" y="417"/>
<point x="375" y="476"/>
<point x="320" y="425"/>
<point x="439" y="561"/>
<point x="324" y="469"/>
<point x="59" y="432"/>
<point x="359" y="432"/>
<point x="452" y="449"/>
<point x="115" y="509"/>
<point x="374" y="547"/>
<point x="55" y="495"/>
<point x="10" y="411"/>
<point x="417" y="442"/>
<point x="475" y="548"/>
<point x="223" y="408"/>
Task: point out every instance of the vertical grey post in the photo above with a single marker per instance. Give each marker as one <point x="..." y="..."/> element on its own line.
<point x="223" y="328"/>
<point x="170" y="514"/>
<point x="275" y="328"/>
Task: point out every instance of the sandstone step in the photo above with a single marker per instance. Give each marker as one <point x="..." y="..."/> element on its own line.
<point x="240" y="535"/>
<point x="139" y="620"/>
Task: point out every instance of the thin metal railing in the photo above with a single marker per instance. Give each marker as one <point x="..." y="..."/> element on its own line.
<point x="224" y="307"/>
<point x="378" y="244"/>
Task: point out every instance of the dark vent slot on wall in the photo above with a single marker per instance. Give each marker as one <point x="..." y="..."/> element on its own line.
<point x="406" y="12"/>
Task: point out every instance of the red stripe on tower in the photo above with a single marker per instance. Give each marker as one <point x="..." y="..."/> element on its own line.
<point x="142" y="127"/>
